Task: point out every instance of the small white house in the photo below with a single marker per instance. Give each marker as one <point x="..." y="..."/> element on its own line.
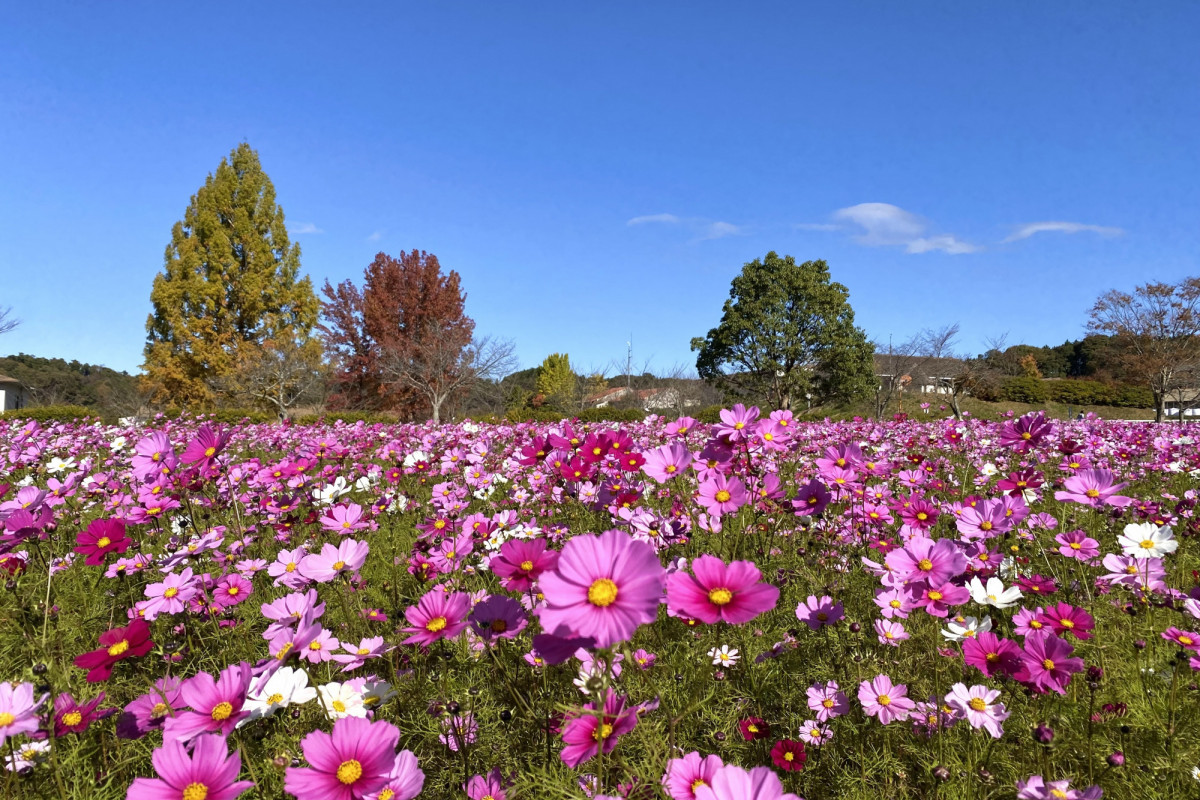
<point x="12" y="394"/>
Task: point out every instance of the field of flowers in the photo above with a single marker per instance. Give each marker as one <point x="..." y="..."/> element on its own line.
<point x="756" y="609"/>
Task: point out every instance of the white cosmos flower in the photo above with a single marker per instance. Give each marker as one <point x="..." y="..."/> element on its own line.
<point x="342" y="700"/>
<point x="331" y="491"/>
<point x="286" y="687"/>
<point x="960" y="628"/>
<point x="724" y="656"/>
<point x="1147" y="540"/>
<point x="993" y="594"/>
<point x="377" y="693"/>
<point x="412" y="459"/>
<point x="1192" y="607"/>
<point x="989" y="469"/>
<point x="58" y="465"/>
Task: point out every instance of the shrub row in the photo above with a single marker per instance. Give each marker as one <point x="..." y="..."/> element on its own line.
<point x="1071" y="392"/>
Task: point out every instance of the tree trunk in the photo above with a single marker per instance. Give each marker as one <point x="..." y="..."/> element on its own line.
<point x="437" y="408"/>
<point x="1160" y="406"/>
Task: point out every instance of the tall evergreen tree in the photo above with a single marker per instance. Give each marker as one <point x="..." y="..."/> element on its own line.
<point x="229" y="283"/>
<point x="787" y="331"/>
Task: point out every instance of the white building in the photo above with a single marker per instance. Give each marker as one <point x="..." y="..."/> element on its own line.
<point x="12" y="394"/>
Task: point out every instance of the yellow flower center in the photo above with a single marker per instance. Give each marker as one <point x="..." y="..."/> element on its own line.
<point x="1186" y="641"/>
<point x="602" y="592"/>
<point x="275" y="698"/>
<point x="169" y="593"/>
<point x="349" y="771"/>
<point x="985" y="526"/>
<point x="720" y="597"/>
<point x="670" y="469"/>
<point x="283" y="651"/>
<point x="827" y="702"/>
<point x="339" y="707"/>
<point x="72" y="718"/>
<point x="752" y="728"/>
<point x="603" y="732"/>
<point x="1148" y="543"/>
<point x="925" y="565"/>
<point x="209" y="452"/>
<point x="1026" y="435"/>
<point x="1059" y="793"/>
<point x="1093" y="493"/>
<point x="1048" y="663"/>
<point x="737" y="426"/>
<point x="884" y="700"/>
<point x="696" y="784"/>
<point x="921" y="515"/>
<point x="935" y="595"/>
<point x="436" y="624"/>
<point x="895" y="604"/>
<point x="159" y="710"/>
<point x="195" y="791"/>
<point x="233" y="590"/>
<point x="222" y="711"/>
<point x="1076" y="546"/>
<point x="339" y="564"/>
<point x="1067" y="623"/>
<point x="362" y="651"/>
<point x="118" y="648"/>
<point x="789" y="756"/>
<point x="722" y="496"/>
<point x="977" y="703"/>
<point x="388" y="794"/>
<point x="103" y="541"/>
<point x="1037" y="626"/>
<point x="314" y="645"/>
<point x="291" y="567"/>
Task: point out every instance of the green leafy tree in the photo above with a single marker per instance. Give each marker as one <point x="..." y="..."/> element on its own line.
<point x="229" y="283"/>
<point x="556" y="380"/>
<point x="787" y="332"/>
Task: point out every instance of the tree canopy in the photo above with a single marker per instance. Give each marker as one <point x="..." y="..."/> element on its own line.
<point x="230" y="281"/>
<point x="787" y="333"/>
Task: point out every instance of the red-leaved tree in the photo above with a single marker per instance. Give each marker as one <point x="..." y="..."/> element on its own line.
<point x="356" y="377"/>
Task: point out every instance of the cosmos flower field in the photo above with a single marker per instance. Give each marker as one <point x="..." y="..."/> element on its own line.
<point x="758" y="609"/>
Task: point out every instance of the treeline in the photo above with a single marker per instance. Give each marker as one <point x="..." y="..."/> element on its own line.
<point x="55" y="382"/>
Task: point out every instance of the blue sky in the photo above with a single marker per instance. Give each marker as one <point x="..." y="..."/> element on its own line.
<point x="599" y="169"/>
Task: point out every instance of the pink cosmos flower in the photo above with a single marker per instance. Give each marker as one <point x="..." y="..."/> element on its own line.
<point x="357" y="655"/>
<point x="405" y="780"/>
<point x="978" y="705"/>
<point x="320" y="648"/>
<point x="1093" y="487"/>
<point x="718" y="592"/>
<point x="1067" y="619"/>
<point x="937" y="599"/>
<point x="354" y="762"/>
<point x="344" y="519"/>
<point x="71" y="716"/>
<point x="585" y="734"/>
<point x="667" y="462"/>
<point x="169" y="596"/>
<point x="498" y="617"/>
<point x="991" y="655"/>
<point x="737" y="423"/>
<point x="486" y="786"/>
<point x="210" y="772"/>
<point x="923" y="558"/>
<point x="150" y="711"/>
<point x="890" y="633"/>
<point x="216" y="704"/>
<point x="734" y="783"/>
<point x="1185" y="639"/>
<point x="880" y="698"/>
<point x="721" y="495"/>
<point x="116" y="645"/>
<point x="103" y="536"/>
<point x="18" y="711"/>
<point x="817" y="613"/>
<point x="437" y="615"/>
<point x="285" y="569"/>
<point x="815" y="734"/>
<point x="685" y="775"/>
<point x="604" y="587"/>
<point x="1077" y="544"/>
<point x="1035" y="788"/>
<point x="348" y="556"/>
<point x="230" y="590"/>
<point x="827" y="700"/>
<point x="1026" y="432"/>
<point x="521" y="562"/>
<point x="811" y="498"/>
<point x="1048" y="664"/>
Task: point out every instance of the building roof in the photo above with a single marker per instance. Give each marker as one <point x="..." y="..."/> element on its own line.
<point x="6" y="379"/>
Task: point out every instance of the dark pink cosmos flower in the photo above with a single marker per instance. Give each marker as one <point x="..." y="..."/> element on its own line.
<point x="811" y="498"/>
<point x="216" y="703"/>
<point x="587" y="734"/>
<point x="208" y="773"/>
<point x="150" y="711"/>
<point x="521" y="562"/>
<point x="74" y="717"/>
<point x="685" y="775"/>
<point x="498" y="617"/>
<point x="604" y="587"/>
<point x="1047" y="663"/>
<point x="1037" y="585"/>
<point x="437" y="615"/>
<point x="204" y="448"/>
<point x="1026" y="432"/>
<point x="1066" y="619"/>
<point x="1185" y="639"/>
<point x="789" y="755"/>
<point x="103" y="536"/>
<point x="925" y="559"/>
<point x="1021" y="481"/>
<point x="919" y="514"/>
<point x="716" y="591"/>
<point x="1093" y="487"/>
<point x="115" y="645"/>
<point x="991" y="655"/>
<point x="721" y="495"/>
<point x="937" y="599"/>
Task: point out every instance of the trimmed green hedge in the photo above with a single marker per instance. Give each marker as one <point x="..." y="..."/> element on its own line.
<point x="53" y="413"/>
<point x="1073" y="392"/>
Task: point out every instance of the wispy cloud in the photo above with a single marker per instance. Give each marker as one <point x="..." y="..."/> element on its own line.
<point x="705" y="229"/>
<point x="1025" y="231"/>
<point x="375" y="237"/>
<point x="816" y="226"/>
<point x="886" y="225"/>
<point x="667" y="218"/>
<point x="306" y="227"/>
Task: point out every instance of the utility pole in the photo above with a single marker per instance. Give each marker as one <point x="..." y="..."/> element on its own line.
<point x="629" y="362"/>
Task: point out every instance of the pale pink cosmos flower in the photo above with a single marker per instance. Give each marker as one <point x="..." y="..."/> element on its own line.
<point x="978" y="704"/>
<point x="346" y="557"/>
<point x="884" y="700"/>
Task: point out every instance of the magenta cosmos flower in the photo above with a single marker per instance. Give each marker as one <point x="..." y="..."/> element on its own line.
<point x="720" y="495"/>
<point x="685" y="775"/>
<point x="604" y="587"/>
<point x="885" y="700"/>
<point x="498" y="617"/>
<point x="103" y="536"/>
<point x="18" y="711"/>
<point x="586" y="733"/>
<point x="1093" y="487"/>
<point x="716" y="591"/>
<point x="991" y="655"/>
<point x="667" y="462"/>
<point x="737" y="423"/>
<point x="521" y="562"/>
<point x="216" y="704"/>
<point x="1048" y="664"/>
<point x="355" y="761"/>
<point x="115" y="645"/>
<point x="209" y="773"/>
<point x="734" y="783"/>
<point x="437" y="615"/>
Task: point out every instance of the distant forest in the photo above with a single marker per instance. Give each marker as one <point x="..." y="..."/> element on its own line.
<point x="55" y="382"/>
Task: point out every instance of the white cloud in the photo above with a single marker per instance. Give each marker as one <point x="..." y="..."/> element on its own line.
<point x="717" y="230"/>
<point x="669" y="218"/>
<point x="884" y="225"/>
<point x="306" y="227"/>
<point x="375" y="237"/>
<point x="1025" y="231"/>
<point x="816" y="226"/>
